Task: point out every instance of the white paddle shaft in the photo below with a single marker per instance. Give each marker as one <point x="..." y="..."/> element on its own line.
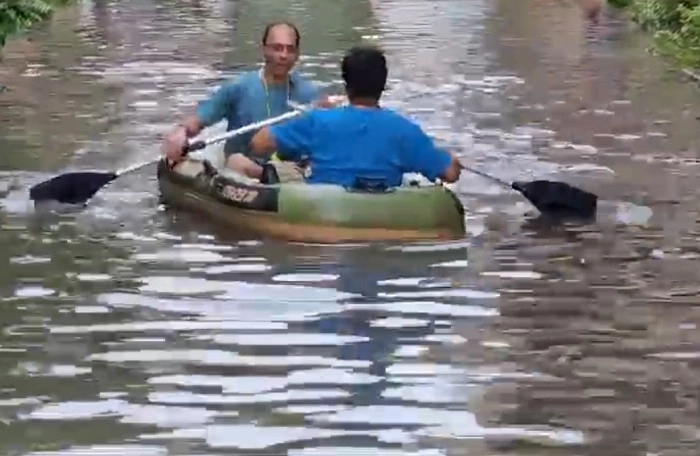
<point x="201" y="144"/>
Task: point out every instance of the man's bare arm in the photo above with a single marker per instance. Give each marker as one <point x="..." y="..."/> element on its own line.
<point x="263" y="142"/>
<point x="192" y="126"/>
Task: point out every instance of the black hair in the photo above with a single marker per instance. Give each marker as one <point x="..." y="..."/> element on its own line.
<point x="364" y="71"/>
<point x="269" y="27"/>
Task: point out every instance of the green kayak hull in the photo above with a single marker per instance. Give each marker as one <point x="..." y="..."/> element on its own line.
<point x="312" y="213"/>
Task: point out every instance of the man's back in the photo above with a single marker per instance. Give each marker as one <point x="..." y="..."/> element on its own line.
<point x="347" y="143"/>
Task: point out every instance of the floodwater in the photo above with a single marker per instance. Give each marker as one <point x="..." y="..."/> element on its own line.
<point x="128" y="329"/>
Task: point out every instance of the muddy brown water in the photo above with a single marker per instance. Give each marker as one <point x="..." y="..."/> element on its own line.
<point x="130" y="329"/>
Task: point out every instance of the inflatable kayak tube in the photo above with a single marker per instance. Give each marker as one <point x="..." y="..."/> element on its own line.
<point x="313" y="213"/>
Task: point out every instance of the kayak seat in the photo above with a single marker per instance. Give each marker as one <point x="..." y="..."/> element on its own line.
<point x="209" y="169"/>
<point x="269" y="175"/>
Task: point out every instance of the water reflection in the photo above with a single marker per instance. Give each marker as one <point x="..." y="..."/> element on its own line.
<point x="332" y="349"/>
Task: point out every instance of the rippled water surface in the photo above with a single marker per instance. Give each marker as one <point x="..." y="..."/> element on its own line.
<point x="128" y="329"/>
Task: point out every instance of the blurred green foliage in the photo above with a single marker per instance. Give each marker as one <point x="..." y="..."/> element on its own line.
<point x="18" y="15"/>
<point x="675" y="25"/>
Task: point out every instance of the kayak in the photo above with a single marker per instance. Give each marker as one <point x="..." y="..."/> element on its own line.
<point x="317" y="213"/>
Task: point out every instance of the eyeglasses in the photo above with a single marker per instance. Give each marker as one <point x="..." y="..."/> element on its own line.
<point x="278" y="47"/>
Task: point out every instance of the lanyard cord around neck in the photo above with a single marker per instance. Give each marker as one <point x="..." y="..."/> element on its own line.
<point x="267" y="94"/>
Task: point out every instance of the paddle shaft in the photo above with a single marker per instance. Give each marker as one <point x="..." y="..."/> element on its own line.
<point x="488" y="176"/>
<point x="202" y="143"/>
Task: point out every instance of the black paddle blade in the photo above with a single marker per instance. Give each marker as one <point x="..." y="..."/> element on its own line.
<point x="558" y="199"/>
<point x="71" y="188"/>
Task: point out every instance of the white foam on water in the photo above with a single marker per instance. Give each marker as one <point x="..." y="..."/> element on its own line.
<point x="309" y="409"/>
<point x="181" y="255"/>
<point x="237" y="268"/>
<point x="106" y="450"/>
<point x="284" y="339"/>
<point x="332" y="376"/>
<point x="409" y="351"/>
<point x="451" y="293"/>
<point x="168" y="326"/>
<point x="452" y="264"/>
<point x="513" y="274"/>
<point x="220" y="358"/>
<point x="425" y="393"/>
<point x="362" y="451"/>
<point x="33" y="291"/>
<point x="272" y="397"/>
<point x="292" y="278"/>
<point x="408" y="282"/>
<point x="228" y="384"/>
<point x="129" y="413"/>
<point x="399" y="322"/>
<point x="429" y="308"/>
<point x="243" y="291"/>
<point x="251" y="437"/>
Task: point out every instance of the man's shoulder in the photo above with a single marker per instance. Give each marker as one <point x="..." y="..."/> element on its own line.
<point x="244" y="79"/>
<point x="335" y="114"/>
<point x="304" y="88"/>
<point x="230" y="87"/>
<point x="392" y="113"/>
<point x="296" y="77"/>
<point x="383" y="120"/>
<point x="400" y="121"/>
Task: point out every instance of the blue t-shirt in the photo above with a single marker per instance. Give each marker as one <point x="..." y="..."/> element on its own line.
<point x="349" y="142"/>
<point x="243" y="102"/>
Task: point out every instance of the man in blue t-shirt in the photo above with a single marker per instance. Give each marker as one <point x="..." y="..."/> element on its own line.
<point x="360" y="144"/>
<point x="251" y="97"/>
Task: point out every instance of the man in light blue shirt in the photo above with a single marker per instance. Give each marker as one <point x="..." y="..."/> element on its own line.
<point x="251" y="97"/>
<point x="361" y="144"/>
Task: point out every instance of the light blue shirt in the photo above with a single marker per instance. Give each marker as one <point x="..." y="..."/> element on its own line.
<point x="243" y="101"/>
